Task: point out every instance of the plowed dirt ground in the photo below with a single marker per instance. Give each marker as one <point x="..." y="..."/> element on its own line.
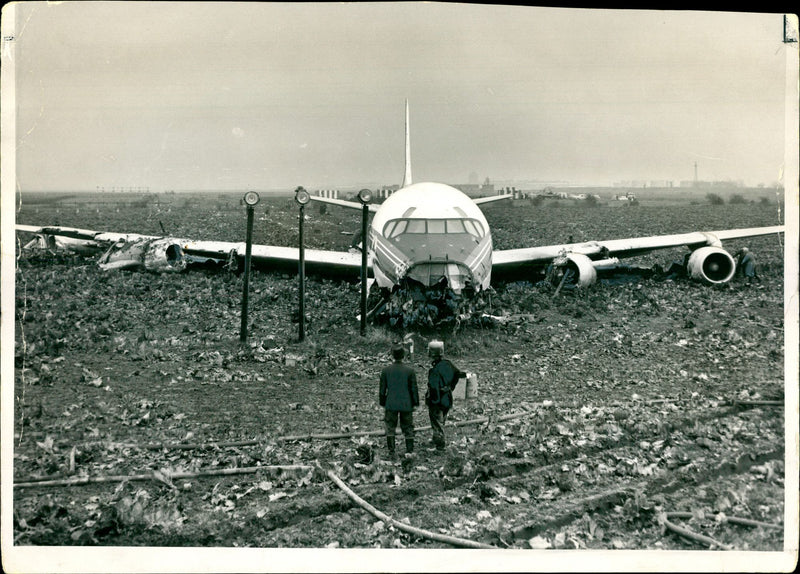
<point x="636" y="400"/>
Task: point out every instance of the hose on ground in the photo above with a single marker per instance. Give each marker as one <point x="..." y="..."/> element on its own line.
<point x="701" y="538"/>
<point x="452" y="540"/>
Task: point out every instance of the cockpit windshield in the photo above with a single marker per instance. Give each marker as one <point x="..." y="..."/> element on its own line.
<point x="398" y="227"/>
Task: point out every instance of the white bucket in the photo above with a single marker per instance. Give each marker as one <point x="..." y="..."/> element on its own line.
<point x="467" y="389"/>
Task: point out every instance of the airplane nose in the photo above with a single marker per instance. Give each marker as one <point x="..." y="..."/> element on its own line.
<point x="430" y="273"/>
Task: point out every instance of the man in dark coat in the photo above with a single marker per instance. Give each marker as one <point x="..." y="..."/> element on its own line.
<point x="746" y="265"/>
<point x="442" y="379"/>
<point x="398" y="395"/>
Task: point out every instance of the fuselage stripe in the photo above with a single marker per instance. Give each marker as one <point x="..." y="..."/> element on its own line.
<point x="385" y="253"/>
<point x="379" y="271"/>
<point x="380" y="244"/>
<point x="480" y="255"/>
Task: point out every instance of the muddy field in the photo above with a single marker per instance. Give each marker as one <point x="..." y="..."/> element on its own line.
<point x="635" y="401"/>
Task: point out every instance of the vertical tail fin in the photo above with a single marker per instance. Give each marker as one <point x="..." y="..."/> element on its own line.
<point x="407" y="176"/>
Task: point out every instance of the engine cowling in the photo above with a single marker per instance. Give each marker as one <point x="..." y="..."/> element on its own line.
<point x="711" y="265"/>
<point x="157" y="255"/>
<point x="578" y="268"/>
<point x="164" y="255"/>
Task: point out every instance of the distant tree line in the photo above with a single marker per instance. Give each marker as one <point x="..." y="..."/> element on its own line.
<point x="737" y="198"/>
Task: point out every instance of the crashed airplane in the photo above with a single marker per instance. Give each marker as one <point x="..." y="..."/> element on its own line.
<point x="427" y="238"/>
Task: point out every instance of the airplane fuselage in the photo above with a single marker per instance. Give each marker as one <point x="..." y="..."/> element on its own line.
<point x="429" y="231"/>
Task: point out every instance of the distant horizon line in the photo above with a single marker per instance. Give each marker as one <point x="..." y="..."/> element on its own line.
<point x="704" y="186"/>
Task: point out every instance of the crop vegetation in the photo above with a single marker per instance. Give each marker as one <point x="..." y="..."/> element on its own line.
<point x="635" y="401"/>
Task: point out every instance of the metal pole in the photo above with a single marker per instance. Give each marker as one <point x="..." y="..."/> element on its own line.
<point x="246" y="288"/>
<point x="364" y="214"/>
<point x="302" y="273"/>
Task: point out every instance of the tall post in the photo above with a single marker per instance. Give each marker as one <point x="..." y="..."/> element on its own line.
<point x="302" y="275"/>
<point x="302" y="197"/>
<point x="364" y="239"/>
<point x="364" y="196"/>
<point x="250" y="198"/>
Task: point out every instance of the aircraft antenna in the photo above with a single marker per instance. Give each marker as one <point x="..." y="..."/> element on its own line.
<point x="407" y="176"/>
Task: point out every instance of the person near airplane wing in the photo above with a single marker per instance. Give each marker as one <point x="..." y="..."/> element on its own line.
<point x="746" y="265"/>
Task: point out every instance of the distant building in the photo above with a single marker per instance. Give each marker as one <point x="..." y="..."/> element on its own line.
<point x="329" y="193"/>
<point x="549" y="193"/>
<point x="475" y="189"/>
<point x="738" y="183"/>
<point x="514" y="192"/>
<point x="386" y="191"/>
<point x="707" y="184"/>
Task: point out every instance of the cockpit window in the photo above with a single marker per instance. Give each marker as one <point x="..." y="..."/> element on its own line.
<point x="473" y="228"/>
<point x="436" y="226"/>
<point x="400" y="227"/>
<point x="455" y="226"/>
<point x="415" y="226"/>
<point x="397" y="227"/>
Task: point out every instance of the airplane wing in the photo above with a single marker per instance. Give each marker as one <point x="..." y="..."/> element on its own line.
<point x="625" y="247"/>
<point x="597" y="254"/>
<point x="131" y="250"/>
<point x="344" y="203"/>
<point x="77" y="233"/>
<point x="274" y="257"/>
<point x="481" y="200"/>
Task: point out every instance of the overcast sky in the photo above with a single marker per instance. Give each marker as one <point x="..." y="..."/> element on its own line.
<point x="271" y="96"/>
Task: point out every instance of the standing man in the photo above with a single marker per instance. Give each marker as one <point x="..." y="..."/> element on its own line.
<point x="442" y="379"/>
<point x="398" y="395"/>
<point x="746" y="265"/>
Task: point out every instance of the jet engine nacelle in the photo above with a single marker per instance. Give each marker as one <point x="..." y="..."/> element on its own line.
<point x="164" y="255"/>
<point x="157" y="255"/>
<point x="578" y="268"/>
<point x="711" y="265"/>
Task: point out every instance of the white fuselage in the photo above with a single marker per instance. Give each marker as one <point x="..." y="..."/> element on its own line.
<point x="429" y="231"/>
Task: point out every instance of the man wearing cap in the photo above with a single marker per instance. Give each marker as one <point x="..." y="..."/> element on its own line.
<point x="442" y="379"/>
<point x="398" y="394"/>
